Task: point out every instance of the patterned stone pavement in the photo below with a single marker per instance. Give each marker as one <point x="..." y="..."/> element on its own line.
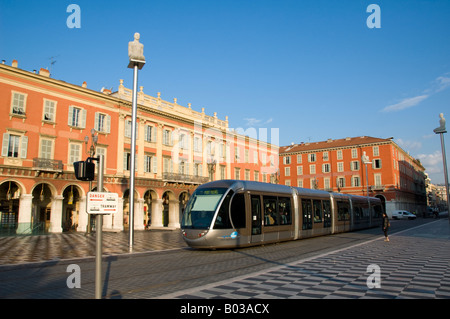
<point x="414" y="264"/>
<point x="21" y="249"/>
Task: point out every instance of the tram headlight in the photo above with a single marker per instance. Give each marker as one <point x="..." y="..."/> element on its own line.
<point x="203" y="233"/>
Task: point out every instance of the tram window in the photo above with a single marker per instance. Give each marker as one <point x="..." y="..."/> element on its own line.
<point x="238" y="211"/>
<point x="223" y="216"/>
<point x="343" y="210"/>
<point x="284" y="211"/>
<point x="377" y="211"/>
<point x="270" y="209"/>
<point x="317" y="208"/>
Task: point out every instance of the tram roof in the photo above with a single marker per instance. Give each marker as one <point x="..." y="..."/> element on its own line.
<point x="263" y="187"/>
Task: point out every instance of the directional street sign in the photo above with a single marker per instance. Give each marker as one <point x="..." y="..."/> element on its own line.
<point x="102" y="203"/>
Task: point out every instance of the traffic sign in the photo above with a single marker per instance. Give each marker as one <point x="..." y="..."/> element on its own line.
<point x="102" y="203"/>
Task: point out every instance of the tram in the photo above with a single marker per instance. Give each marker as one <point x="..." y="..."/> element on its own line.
<point x="235" y="213"/>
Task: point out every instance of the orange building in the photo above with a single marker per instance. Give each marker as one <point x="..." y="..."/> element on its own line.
<point x="48" y="124"/>
<point x="338" y="166"/>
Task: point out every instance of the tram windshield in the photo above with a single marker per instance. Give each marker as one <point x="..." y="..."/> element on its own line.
<point x="201" y="207"/>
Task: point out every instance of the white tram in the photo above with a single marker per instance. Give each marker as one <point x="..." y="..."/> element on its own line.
<point x="234" y="213"/>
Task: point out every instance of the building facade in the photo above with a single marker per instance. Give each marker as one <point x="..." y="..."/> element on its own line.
<point x="387" y="172"/>
<point x="48" y="124"/>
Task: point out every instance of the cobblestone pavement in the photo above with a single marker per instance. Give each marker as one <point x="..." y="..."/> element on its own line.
<point x="413" y="264"/>
<point x="21" y="249"/>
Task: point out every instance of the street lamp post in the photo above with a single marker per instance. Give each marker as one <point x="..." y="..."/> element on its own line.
<point x="365" y="159"/>
<point x="91" y="153"/>
<point x="441" y="130"/>
<point x="136" y="62"/>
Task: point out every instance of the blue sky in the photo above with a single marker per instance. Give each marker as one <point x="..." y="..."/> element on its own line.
<point x="312" y="69"/>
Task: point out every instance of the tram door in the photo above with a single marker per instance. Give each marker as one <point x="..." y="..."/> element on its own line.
<point x="307" y="214"/>
<point x="256" y="218"/>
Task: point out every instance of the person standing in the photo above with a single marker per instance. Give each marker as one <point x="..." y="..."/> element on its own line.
<point x="385" y="226"/>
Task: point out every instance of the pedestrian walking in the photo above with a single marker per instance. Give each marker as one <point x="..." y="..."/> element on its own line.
<point x="385" y="225"/>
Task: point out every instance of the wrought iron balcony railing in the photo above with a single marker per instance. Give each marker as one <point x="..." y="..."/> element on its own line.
<point x="182" y="178"/>
<point x="44" y="164"/>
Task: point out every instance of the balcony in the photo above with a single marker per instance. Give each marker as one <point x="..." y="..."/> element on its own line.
<point x="182" y="178"/>
<point x="378" y="188"/>
<point x="47" y="165"/>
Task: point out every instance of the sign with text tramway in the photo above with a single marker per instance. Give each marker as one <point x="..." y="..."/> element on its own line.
<point x="102" y="203"/>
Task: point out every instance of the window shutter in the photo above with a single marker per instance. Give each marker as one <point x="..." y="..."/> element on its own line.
<point x="97" y="115"/>
<point x="83" y="118"/>
<point x="70" y="119"/>
<point x="24" y="146"/>
<point x="155" y="164"/>
<point x="5" y="144"/>
<point x="108" y="123"/>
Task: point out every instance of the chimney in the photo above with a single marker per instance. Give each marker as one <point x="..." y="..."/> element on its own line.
<point x="44" y="72"/>
<point x="15" y="64"/>
<point x="84" y="84"/>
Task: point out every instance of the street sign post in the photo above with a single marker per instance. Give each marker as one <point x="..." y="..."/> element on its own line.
<point x="102" y="203"/>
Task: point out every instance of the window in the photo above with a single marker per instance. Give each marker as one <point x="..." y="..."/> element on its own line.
<point x="277" y="210"/>
<point x="18" y="103"/>
<point x="326" y="168"/>
<point x="183" y="141"/>
<point x="339" y="154"/>
<point x="299" y="170"/>
<point x="376" y="151"/>
<point x="340" y="166"/>
<point x="237" y="210"/>
<point x="198" y="169"/>
<point x="287" y="171"/>
<point x="377" y="178"/>
<point x="354" y="165"/>
<point x="167" y="165"/>
<point x="287" y="160"/>
<point x="14" y="145"/>
<point x="376" y="163"/>
<point x="197" y="144"/>
<point x="326" y="183"/>
<point x="354" y="153"/>
<point x="77" y="117"/>
<point x="341" y="182"/>
<point x="317" y="209"/>
<point x="237" y="173"/>
<point x="128" y="128"/>
<point x="325" y="156"/>
<point x="46" y="148"/>
<point x="312" y="169"/>
<point x="102" y="122"/>
<point x="247" y="174"/>
<point x="74" y="153"/>
<point x="49" y="110"/>
<point x="343" y="210"/>
<point x="299" y="158"/>
<point x="356" y="181"/>
<point x="222" y="171"/>
<point x="167" y="137"/>
<point x="150" y="163"/>
<point x="312" y="157"/>
<point x="150" y="133"/>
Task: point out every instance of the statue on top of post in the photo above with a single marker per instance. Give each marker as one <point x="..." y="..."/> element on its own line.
<point x="136" y="52"/>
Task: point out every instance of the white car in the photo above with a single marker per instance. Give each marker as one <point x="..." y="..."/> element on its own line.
<point x="402" y="214"/>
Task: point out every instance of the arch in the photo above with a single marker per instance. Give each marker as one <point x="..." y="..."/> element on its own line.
<point x="10" y="193"/>
<point x="71" y="206"/>
<point x="150" y="202"/>
<point x="43" y="194"/>
<point x="183" y="199"/>
<point x="126" y="207"/>
<point x="21" y="186"/>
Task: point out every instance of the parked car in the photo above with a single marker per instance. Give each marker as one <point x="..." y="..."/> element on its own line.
<point x="402" y="214"/>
